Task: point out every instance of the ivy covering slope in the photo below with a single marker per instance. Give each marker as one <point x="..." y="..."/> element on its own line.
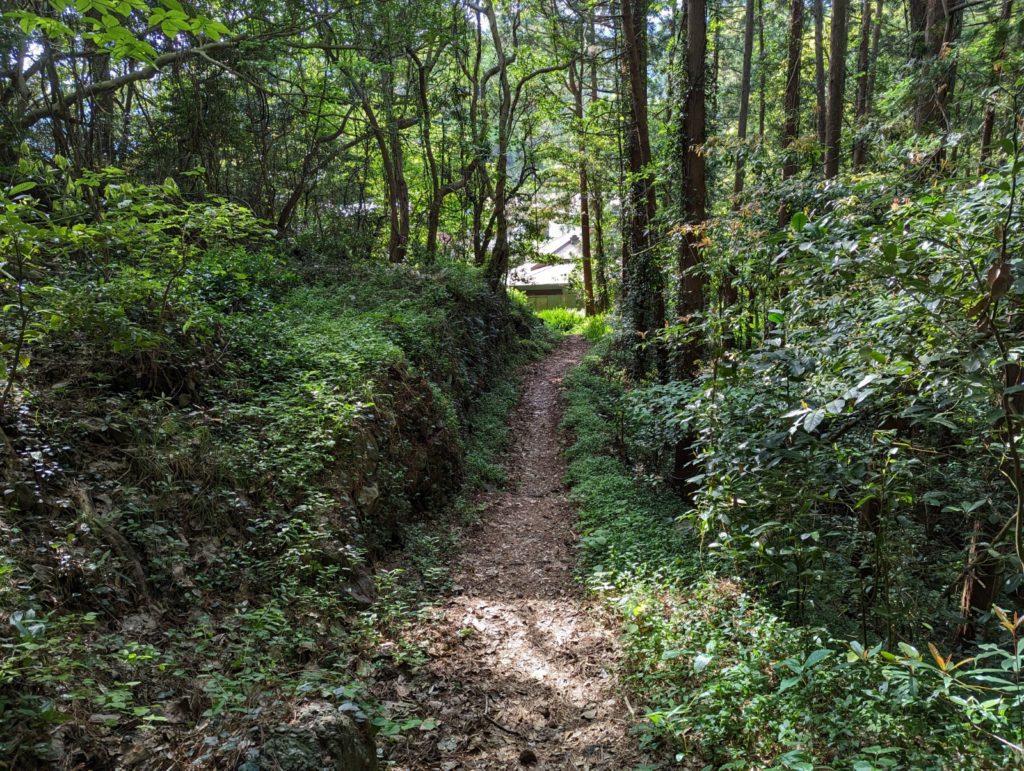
<point x="212" y="441"/>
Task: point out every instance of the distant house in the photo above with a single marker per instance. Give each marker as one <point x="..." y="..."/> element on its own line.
<point x="546" y="284"/>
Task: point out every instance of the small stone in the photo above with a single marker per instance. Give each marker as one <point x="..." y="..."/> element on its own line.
<point x="527" y="758"/>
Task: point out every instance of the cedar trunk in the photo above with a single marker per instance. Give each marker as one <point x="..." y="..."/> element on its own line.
<point x="860" y="144"/>
<point x="741" y="130"/>
<point x="836" y="86"/>
<point x="791" y="101"/>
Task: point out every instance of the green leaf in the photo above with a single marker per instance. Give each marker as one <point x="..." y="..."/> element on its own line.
<point x="788" y="683"/>
<point x="813" y="420"/>
<point x="870" y="354"/>
<point x="908" y="650"/>
<point x="23" y="187"/>
<point x="817" y="656"/>
<point x="835" y="406"/>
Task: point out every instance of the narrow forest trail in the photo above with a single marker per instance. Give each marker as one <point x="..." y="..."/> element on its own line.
<point x="521" y="663"/>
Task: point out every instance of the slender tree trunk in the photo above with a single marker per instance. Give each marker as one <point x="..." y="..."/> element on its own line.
<point x="603" y="300"/>
<point x="860" y="142"/>
<point x="399" y="242"/>
<point x="102" y="114"/>
<point x="396" y="250"/>
<point x="711" y="89"/>
<point x="670" y="184"/>
<point x="588" y="275"/>
<point x="597" y="200"/>
<point x="390" y="147"/>
<point x="791" y="101"/>
<point x="497" y="266"/>
<point x="741" y="130"/>
<point x="876" y="39"/>
<point x="477" y="106"/>
<point x="761" y="72"/>
<point x="820" y="107"/>
<point x="836" y="86"/>
<point x="576" y="85"/>
<point x="402" y="202"/>
<point x="1000" y="39"/>
<point x="101" y="105"/>
<point x="623" y="122"/>
<point x="423" y="70"/>
<point x="981" y="583"/>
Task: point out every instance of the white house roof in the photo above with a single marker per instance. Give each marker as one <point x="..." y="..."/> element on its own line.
<point x="538" y="274"/>
<point x="566" y="245"/>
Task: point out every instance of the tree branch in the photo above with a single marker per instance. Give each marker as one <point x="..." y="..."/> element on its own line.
<point x="31" y="117"/>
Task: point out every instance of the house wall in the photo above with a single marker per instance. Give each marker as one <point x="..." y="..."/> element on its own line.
<point x="557" y="297"/>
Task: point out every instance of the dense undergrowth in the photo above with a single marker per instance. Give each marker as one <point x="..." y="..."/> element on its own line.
<point x="727" y="679"/>
<point x="835" y="576"/>
<point x="210" y="443"/>
<point x="574" y="322"/>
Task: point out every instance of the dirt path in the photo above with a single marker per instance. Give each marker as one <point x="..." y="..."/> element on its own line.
<point x="521" y="664"/>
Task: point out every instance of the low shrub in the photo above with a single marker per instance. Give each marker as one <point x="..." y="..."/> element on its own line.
<point x="572" y="321"/>
<point x="726" y="680"/>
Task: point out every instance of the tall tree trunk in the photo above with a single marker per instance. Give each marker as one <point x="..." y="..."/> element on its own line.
<point x="741" y="129"/>
<point x="423" y="70"/>
<point x="101" y="105"/>
<point x="497" y="266"/>
<point x="691" y="299"/>
<point x="711" y="89"/>
<point x="576" y="86"/>
<point x="694" y="183"/>
<point x="876" y="39"/>
<point x="836" y="86"/>
<point x="623" y="122"/>
<point x="398" y="243"/>
<point x="860" y="142"/>
<point x="1000" y="38"/>
<point x="588" y="276"/>
<point x="597" y="200"/>
<point x="761" y="72"/>
<point x="396" y="249"/>
<point x="400" y="247"/>
<point x="820" y="107"/>
<point x="981" y="581"/>
<point x="936" y="25"/>
<point x="791" y="101"/>
<point x="477" y="119"/>
<point x="102" y="113"/>
<point x="603" y="299"/>
<point x="644" y="298"/>
<point x="389" y="144"/>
